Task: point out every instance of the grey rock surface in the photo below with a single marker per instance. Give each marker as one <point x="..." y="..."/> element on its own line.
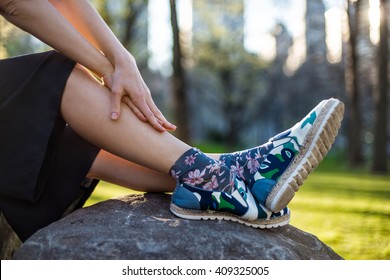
<point x="142" y="227"/>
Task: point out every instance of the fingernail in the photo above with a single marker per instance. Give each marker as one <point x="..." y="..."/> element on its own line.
<point x="114" y="115"/>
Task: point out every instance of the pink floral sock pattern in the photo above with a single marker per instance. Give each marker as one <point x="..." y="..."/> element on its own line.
<point x="246" y="163"/>
<point x="196" y="169"/>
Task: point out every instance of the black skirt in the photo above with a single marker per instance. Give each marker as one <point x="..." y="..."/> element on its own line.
<point x="43" y="162"/>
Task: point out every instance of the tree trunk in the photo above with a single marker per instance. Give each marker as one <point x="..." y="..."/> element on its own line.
<point x="380" y="97"/>
<point x="355" y="155"/>
<point x="134" y="9"/>
<point x="178" y="81"/>
<point x="231" y="135"/>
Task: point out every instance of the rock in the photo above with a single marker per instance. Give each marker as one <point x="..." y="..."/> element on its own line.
<point x="142" y="227"/>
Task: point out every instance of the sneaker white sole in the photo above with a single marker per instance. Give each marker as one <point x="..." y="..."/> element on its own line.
<point x="215" y="215"/>
<point x="316" y="145"/>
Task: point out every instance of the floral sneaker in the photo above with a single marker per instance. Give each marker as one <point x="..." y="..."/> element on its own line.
<point x="295" y="153"/>
<point x="240" y="206"/>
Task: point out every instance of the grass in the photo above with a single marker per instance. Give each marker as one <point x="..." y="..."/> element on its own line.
<point x="348" y="210"/>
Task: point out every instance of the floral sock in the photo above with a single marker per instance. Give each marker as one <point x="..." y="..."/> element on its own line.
<point x="196" y="169"/>
<point x="246" y="163"/>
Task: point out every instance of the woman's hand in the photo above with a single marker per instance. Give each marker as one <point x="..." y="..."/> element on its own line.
<point x="127" y="86"/>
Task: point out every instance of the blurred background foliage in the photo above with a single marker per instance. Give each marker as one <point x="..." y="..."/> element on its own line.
<point x="232" y="73"/>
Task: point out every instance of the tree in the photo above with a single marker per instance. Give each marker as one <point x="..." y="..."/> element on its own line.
<point x="133" y="11"/>
<point x="178" y="81"/>
<point x="128" y="20"/>
<point x="355" y="155"/>
<point x="380" y="96"/>
<point x="235" y="90"/>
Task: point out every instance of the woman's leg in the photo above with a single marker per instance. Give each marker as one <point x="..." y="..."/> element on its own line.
<point x="85" y="106"/>
<point x="116" y="170"/>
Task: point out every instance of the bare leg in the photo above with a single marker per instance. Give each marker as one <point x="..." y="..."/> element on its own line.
<point x="85" y="106"/>
<point x="116" y="170"/>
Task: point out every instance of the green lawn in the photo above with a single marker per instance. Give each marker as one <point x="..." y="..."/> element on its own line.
<point x="348" y="210"/>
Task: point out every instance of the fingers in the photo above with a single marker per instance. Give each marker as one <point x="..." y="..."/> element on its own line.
<point x="156" y="112"/>
<point x="116" y="97"/>
<point x="136" y="111"/>
<point x="127" y="86"/>
<point x="143" y="112"/>
<point x="142" y="105"/>
<point x="159" y="116"/>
